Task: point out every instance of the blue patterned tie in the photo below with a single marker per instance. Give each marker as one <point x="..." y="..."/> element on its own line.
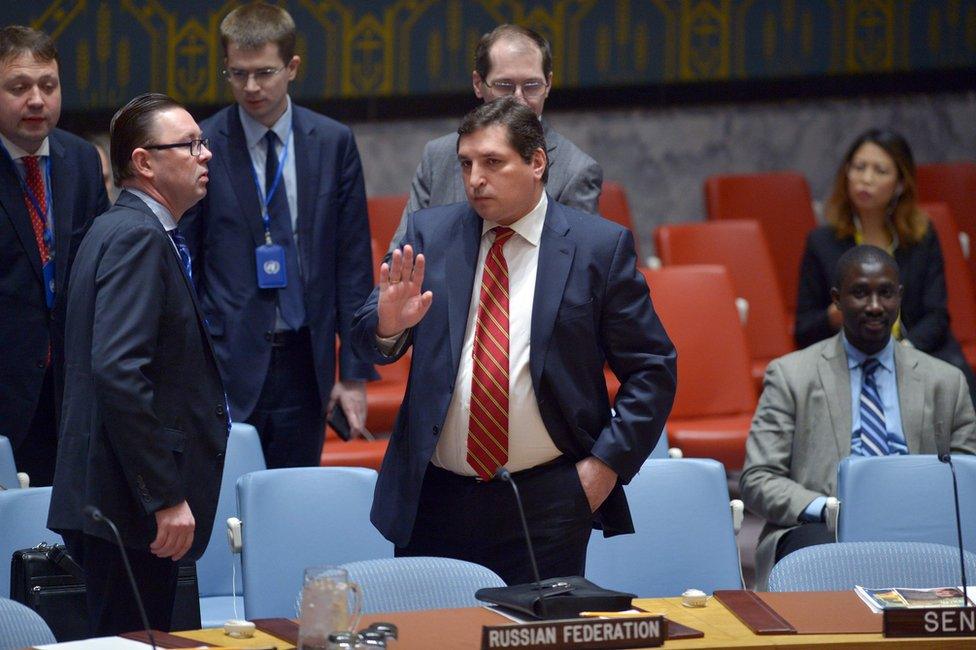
<point x="874" y="433"/>
<point x="184" y="252"/>
<point x="291" y="301"/>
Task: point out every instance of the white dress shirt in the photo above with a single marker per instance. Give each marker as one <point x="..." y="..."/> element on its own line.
<point x="43" y="152"/>
<point x="529" y="443"/>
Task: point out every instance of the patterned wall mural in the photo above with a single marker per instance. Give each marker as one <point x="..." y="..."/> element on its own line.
<point x="111" y="50"/>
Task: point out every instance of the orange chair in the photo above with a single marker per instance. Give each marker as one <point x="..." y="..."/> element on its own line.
<point x="613" y="206"/>
<point x="781" y="202"/>
<point x="740" y="247"/>
<point x="716" y="399"/>
<point x="961" y="299"/>
<point x="355" y="453"/>
<point x="384" y="217"/>
<point x="954" y="184"/>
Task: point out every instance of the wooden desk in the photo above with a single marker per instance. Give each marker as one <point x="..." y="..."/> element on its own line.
<point x="460" y="629"/>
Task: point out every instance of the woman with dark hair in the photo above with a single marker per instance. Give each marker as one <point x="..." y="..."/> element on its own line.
<point x="874" y="202"/>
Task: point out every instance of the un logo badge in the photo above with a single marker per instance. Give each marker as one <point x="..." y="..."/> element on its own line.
<point x="272" y="267"/>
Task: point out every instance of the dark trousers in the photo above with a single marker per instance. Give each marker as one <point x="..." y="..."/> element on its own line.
<point x="288" y="415"/>
<point x="802" y="536"/>
<point x="478" y="521"/>
<point x="112" y="608"/>
<point x="38" y="451"/>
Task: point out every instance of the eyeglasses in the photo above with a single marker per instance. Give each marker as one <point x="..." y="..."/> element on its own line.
<point x="196" y="146"/>
<point x="530" y="89"/>
<point x="241" y="77"/>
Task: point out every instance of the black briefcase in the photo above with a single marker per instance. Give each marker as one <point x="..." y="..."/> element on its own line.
<point x="49" y="581"/>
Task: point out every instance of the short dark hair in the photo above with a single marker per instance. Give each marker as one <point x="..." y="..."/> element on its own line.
<point x="525" y="133"/>
<point x="18" y="39"/>
<point x="482" y="55"/>
<point x="251" y="26"/>
<point x="863" y="254"/>
<point x="131" y="128"/>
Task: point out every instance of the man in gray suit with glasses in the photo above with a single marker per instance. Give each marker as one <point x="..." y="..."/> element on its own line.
<point x="517" y="61"/>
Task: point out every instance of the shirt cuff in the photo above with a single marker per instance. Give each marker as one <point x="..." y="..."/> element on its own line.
<point x="814" y="512"/>
<point x="390" y="345"/>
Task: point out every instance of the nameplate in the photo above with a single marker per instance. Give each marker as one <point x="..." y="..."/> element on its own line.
<point x="935" y="621"/>
<point x="581" y="634"/>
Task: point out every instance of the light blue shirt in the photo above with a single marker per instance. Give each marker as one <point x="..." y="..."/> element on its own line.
<point x="254" y="136"/>
<point x="887" y="382"/>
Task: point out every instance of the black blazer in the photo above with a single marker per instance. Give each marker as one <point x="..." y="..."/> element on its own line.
<point x="144" y="422"/>
<point x="27" y="327"/>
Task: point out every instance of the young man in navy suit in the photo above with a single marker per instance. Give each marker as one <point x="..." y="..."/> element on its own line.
<point x="513" y="304"/>
<point x="281" y="246"/>
<point x="50" y="190"/>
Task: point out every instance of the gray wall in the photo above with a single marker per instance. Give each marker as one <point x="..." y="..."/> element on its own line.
<point x="662" y="156"/>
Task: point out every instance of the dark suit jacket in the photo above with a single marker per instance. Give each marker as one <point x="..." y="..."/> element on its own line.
<point x="26" y="326"/>
<point x="591" y="307"/>
<point x="333" y="239"/>
<point x="144" y="422"/>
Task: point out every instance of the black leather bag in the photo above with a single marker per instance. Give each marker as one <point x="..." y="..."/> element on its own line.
<point x="564" y="598"/>
<point x="49" y="581"/>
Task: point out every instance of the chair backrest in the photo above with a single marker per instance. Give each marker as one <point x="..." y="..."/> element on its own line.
<point x="953" y="183"/>
<point x="781" y="202"/>
<point x="660" y="450"/>
<point x="874" y="565"/>
<point x="8" y="468"/>
<point x="243" y="455"/>
<point x="412" y="583"/>
<point x="613" y="205"/>
<point x="299" y="517"/>
<point x="740" y="246"/>
<point x="961" y="292"/>
<point x="713" y="361"/>
<point x="23" y="524"/>
<point x="384" y="216"/>
<point x="905" y="499"/>
<point x="684" y="535"/>
<point x="22" y="627"/>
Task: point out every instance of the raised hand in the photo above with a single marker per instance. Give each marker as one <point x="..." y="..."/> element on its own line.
<point x="401" y="304"/>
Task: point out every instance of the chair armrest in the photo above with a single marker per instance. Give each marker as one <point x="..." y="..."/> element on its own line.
<point x="234" y="538"/>
<point x="24" y="479"/>
<point x="738" y="512"/>
<point x="831" y="511"/>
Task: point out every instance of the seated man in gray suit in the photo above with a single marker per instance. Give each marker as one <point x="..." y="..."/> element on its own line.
<point x="510" y="60"/>
<point x="857" y="393"/>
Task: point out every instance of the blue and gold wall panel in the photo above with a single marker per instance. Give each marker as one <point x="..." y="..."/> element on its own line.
<point x="113" y="49"/>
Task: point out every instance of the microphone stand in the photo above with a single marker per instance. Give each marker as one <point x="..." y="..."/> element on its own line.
<point x="506" y="476"/>
<point x="947" y="458"/>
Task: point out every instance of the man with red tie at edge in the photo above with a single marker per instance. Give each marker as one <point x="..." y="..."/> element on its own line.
<point x="50" y="190"/>
<point x="513" y="303"/>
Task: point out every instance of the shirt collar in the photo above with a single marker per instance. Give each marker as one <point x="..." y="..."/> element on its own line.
<point x="254" y="131"/>
<point x="856" y="357"/>
<point x="17" y="153"/>
<point x="528" y="227"/>
<point x="158" y="209"/>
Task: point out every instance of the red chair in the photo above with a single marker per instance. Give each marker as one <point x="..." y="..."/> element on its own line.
<point x="781" y="202"/>
<point x="954" y="184"/>
<point x="960" y="288"/>
<point x="715" y="401"/>
<point x="613" y="206"/>
<point x="741" y="248"/>
<point x="355" y="453"/>
<point x="384" y="217"/>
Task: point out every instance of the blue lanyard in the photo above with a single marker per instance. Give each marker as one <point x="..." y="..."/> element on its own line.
<point x="266" y="200"/>
<point x="36" y="202"/>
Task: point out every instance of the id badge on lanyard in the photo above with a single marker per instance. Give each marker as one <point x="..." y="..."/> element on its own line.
<point x="269" y="258"/>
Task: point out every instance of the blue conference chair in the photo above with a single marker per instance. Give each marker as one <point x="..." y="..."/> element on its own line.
<point x="9" y="479"/>
<point x="23" y="524"/>
<point x="219" y="567"/>
<point x="21" y="627"/>
<point x="299" y="517"/>
<point x="905" y="498"/>
<point x="411" y="583"/>
<point x="685" y="533"/>
<point x="842" y="565"/>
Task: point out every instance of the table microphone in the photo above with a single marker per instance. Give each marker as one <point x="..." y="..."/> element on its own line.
<point x="946" y="457"/>
<point x="96" y="515"/>
<point x="506" y="476"/>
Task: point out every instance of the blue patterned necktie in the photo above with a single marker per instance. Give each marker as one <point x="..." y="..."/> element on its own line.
<point x="874" y="433"/>
<point x="184" y="252"/>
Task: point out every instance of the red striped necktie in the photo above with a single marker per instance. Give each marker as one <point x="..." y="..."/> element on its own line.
<point x="488" y="426"/>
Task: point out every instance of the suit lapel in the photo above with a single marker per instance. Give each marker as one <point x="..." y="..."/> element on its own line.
<point x="240" y="174"/>
<point x="835" y="379"/>
<point x="459" y="266"/>
<point x="12" y="199"/>
<point x="308" y="169"/>
<point x="555" y="260"/>
<point x="63" y="177"/>
<point x="911" y="399"/>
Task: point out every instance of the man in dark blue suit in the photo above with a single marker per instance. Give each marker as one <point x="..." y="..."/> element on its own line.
<point x="513" y="304"/>
<point x="50" y="190"/>
<point x="281" y="245"/>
